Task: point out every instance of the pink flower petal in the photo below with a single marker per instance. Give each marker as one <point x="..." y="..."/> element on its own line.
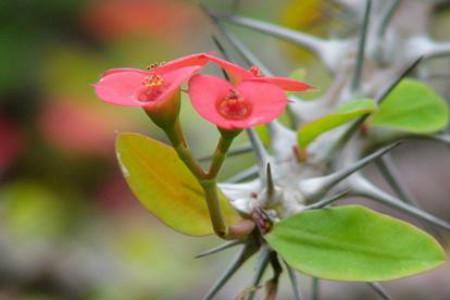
<point x="266" y="101"/>
<point x="119" y="70"/>
<point x="199" y="59"/>
<point x="285" y="83"/>
<point x="122" y="87"/>
<point x="236" y="72"/>
<point x="174" y="79"/>
<point x="269" y="101"/>
<point x="119" y="87"/>
<point x="205" y="91"/>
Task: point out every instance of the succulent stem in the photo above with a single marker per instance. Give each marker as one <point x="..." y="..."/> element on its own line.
<point x="315" y="188"/>
<point x="361" y="187"/>
<point x="313" y="43"/>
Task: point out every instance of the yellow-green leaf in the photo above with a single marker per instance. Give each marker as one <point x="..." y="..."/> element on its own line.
<point x="354" y="243"/>
<point x="165" y="186"/>
<point x="345" y="113"/>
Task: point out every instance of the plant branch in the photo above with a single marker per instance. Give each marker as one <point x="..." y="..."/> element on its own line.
<point x="362" y="187"/>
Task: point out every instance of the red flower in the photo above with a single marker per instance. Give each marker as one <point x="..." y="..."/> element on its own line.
<point x="238" y="74"/>
<point x="141" y="88"/>
<point x="244" y="105"/>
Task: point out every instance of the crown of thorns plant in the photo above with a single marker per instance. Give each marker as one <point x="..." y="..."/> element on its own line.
<point x="283" y="208"/>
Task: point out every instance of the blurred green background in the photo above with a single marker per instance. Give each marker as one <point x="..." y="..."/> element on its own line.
<point x="69" y="227"/>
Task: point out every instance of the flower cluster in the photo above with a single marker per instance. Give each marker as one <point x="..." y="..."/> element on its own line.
<point x="249" y="99"/>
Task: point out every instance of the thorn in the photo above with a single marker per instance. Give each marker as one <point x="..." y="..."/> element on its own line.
<point x="442" y="138"/>
<point x="441" y="50"/>
<point x="219" y="249"/>
<point x="244" y="175"/>
<point x="390" y="173"/>
<point x="387" y="17"/>
<point x="224" y="54"/>
<point x="249" y="249"/>
<point x="379" y="289"/>
<point x="314" y="44"/>
<point x="233" y="152"/>
<point x="293" y="281"/>
<point x="248" y="56"/>
<point x="315" y="188"/>
<point x="327" y="201"/>
<point x="269" y="182"/>
<point x="356" y="82"/>
<point x="315" y="289"/>
<point x="362" y="187"/>
<point x="409" y="67"/>
<point x="260" y="268"/>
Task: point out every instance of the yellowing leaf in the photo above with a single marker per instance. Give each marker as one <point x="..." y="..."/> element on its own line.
<point x="165" y="186"/>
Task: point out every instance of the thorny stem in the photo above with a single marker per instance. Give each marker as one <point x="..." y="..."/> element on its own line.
<point x="361" y="187"/>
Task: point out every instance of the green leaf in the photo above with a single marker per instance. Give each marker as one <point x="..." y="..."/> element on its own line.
<point x="165" y="186"/>
<point x="354" y="243"/>
<point x="345" y="113"/>
<point x="413" y="107"/>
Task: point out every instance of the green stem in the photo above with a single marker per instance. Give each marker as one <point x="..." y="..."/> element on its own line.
<point x="215" y="212"/>
<point x="176" y="137"/>
<point x="219" y="156"/>
<point x="208" y="180"/>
